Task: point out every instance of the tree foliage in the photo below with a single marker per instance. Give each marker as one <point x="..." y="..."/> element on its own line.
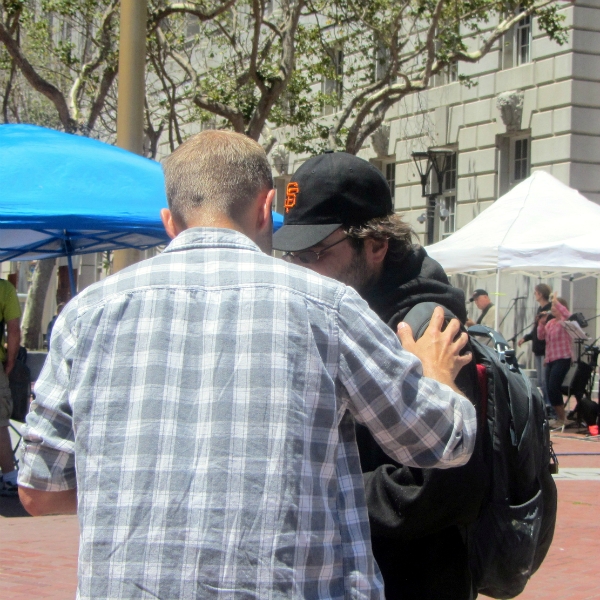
<point x="59" y="61"/>
<point x="321" y="73"/>
<point x="392" y="49"/>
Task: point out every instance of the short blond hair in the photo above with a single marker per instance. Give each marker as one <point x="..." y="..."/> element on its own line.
<point x="220" y="172"/>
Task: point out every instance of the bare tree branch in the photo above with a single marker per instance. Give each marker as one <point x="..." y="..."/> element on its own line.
<point x="106" y="82"/>
<point x="500" y="31"/>
<point x="37" y="82"/>
<point x="430" y="43"/>
<point x="187" y="8"/>
<point x="104" y="45"/>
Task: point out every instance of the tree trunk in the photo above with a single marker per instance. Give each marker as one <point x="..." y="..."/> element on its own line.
<point x="34" y="307"/>
<point x="63" y="290"/>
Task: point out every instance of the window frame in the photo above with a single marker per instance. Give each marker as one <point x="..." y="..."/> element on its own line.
<point x="448" y="196"/>
<point x="389" y="172"/>
<point x="336" y="56"/>
<point x="522" y="51"/>
<point x="524" y="162"/>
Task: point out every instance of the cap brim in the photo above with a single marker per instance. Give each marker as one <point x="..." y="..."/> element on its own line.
<point x="291" y="238"/>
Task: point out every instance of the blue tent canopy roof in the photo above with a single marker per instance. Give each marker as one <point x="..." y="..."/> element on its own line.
<point x="62" y="194"/>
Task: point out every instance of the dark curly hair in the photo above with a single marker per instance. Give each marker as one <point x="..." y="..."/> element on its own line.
<point x="400" y="235"/>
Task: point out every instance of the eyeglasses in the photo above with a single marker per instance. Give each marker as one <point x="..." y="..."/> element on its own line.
<point x="309" y="257"/>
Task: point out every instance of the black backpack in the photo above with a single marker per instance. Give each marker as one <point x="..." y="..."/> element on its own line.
<point x="513" y="532"/>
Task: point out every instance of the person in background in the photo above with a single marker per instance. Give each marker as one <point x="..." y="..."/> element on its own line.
<point x="59" y="308"/>
<point x="10" y="315"/>
<point x="559" y="354"/>
<point x="542" y="296"/>
<point x="487" y="308"/>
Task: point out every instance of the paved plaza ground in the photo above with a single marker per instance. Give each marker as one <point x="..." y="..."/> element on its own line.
<point x="38" y="557"/>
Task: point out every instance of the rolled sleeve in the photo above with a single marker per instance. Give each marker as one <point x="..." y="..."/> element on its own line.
<point x="563" y="310"/>
<point x="418" y="421"/>
<point x="48" y="462"/>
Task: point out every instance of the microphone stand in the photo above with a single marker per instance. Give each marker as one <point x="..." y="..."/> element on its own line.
<point x="513" y="339"/>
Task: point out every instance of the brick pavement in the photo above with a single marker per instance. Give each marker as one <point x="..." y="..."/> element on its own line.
<point x="570" y="571"/>
<point x="38" y="557"/>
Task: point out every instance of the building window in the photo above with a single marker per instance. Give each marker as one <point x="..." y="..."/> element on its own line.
<point x="192" y="26"/>
<point x="523" y="41"/>
<point x="447" y="206"/>
<point x="449" y="74"/>
<point x="516" y="44"/>
<point x="280" y="193"/>
<point x="390" y="176"/>
<point x="441" y="205"/>
<point x="333" y="86"/>
<point x="382" y="59"/>
<point x="450" y="174"/>
<point x="449" y="222"/>
<point x="514" y="160"/>
<point x="520" y="160"/>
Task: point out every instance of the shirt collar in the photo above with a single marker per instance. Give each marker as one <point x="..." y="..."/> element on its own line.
<point x="211" y="237"/>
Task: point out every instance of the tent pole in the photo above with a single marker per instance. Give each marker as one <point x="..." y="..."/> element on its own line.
<point x="68" y="251"/>
<point x="571" y="278"/>
<point x="497" y="299"/>
<point x="71" y="276"/>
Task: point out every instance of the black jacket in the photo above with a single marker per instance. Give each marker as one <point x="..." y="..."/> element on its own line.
<point x="538" y="346"/>
<point x="417" y="516"/>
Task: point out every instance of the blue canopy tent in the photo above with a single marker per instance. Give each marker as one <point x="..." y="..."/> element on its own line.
<point x="63" y="195"/>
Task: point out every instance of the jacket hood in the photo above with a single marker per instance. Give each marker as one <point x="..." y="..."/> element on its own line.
<point x="413" y="279"/>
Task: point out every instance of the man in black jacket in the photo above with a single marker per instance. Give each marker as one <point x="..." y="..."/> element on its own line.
<point x="340" y="222"/>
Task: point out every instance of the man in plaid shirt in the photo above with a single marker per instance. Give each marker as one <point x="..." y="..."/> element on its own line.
<point x="197" y="409"/>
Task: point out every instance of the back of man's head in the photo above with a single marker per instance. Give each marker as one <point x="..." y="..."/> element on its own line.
<point x="215" y="173"/>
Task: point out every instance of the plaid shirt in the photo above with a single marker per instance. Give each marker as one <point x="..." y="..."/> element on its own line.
<point x="558" y="341"/>
<point x="203" y="403"/>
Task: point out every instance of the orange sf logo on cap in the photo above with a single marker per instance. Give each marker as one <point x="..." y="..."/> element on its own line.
<point x="291" y="192"/>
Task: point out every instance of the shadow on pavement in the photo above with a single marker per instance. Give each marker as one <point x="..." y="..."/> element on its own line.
<point x="12" y="507"/>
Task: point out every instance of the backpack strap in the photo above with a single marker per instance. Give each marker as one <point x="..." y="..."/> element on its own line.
<point x="505" y="353"/>
<point x="482" y="381"/>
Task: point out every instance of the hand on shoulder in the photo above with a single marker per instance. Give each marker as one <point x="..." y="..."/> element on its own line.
<point x="437" y="349"/>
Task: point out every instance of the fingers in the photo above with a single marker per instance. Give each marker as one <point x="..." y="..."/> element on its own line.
<point x="405" y="335"/>
<point x="437" y="319"/>
<point x="463" y="359"/>
<point x="452" y="328"/>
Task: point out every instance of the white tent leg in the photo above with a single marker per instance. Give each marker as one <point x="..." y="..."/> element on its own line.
<point x="571" y="293"/>
<point x="496" y="320"/>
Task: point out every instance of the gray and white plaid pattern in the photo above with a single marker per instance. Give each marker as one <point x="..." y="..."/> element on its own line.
<point x="203" y="402"/>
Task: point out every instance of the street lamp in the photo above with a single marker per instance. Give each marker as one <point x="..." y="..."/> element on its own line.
<point x="438" y="160"/>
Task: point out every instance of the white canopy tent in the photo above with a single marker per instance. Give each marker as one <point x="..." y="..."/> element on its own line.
<point x="540" y="226"/>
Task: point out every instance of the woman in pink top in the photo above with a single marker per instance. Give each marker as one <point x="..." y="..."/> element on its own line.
<point x="558" y="354"/>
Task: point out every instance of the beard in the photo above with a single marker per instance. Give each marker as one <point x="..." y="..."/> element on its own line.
<point x="357" y="274"/>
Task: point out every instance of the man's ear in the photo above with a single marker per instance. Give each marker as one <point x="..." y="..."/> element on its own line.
<point x="376" y="250"/>
<point x="171" y="227"/>
<point x="264" y="217"/>
<point x="261" y="231"/>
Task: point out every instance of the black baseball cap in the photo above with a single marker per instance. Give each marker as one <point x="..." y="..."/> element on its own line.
<point x="328" y="191"/>
<point x="477" y="293"/>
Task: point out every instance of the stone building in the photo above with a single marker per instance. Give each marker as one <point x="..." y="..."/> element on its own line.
<point x="533" y="105"/>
